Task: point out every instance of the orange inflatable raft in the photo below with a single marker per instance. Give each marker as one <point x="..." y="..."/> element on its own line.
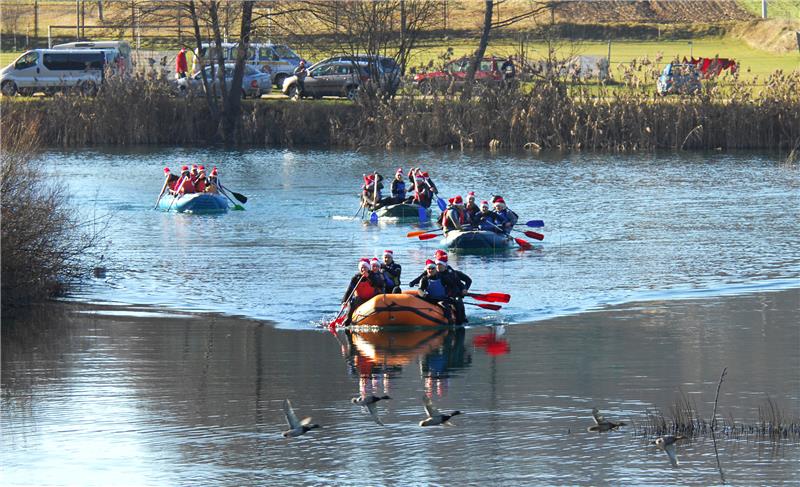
<point x="406" y="309"/>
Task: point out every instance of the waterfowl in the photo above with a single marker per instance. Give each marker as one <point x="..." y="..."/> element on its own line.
<point x="667" y="443"/>
<point x="434" y="416"/>
<point x="296" y="427"/>
<point x="602" y="424"/>
<point x="368" y="401"/>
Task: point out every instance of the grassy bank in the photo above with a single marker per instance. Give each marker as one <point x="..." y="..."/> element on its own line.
<point x="546" y="115"/>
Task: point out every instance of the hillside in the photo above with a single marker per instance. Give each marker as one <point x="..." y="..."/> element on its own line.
<point x="652" y="11"/>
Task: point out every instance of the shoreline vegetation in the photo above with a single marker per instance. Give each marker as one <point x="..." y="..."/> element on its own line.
<point x="46" y="246"/>
<point x="547" y="113"/>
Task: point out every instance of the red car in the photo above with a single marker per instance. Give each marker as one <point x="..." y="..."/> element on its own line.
<point x="454" y="73"/>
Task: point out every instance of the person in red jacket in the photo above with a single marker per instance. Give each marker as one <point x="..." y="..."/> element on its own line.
<point x="184" y="184"/>
<point x="181" y="66"/>
<point x="363" y="286"/>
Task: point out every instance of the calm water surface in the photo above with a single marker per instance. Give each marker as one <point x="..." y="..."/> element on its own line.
<point x="618" y="229"/>
<point x="656" y="273"/>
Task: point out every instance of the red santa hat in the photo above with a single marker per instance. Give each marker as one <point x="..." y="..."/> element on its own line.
<point x="458" y="200"/>
<point x="441" y="262"/>
<point x="214" y="171"/>
<point x="451" y="201"/>
<point x="499" y="199"/>
<point x="166" y="170"/>
<point x="375" y="262"/>
<point x="184" y="168"/>
<point x="484" y="204"/>
<point x="389" y="253"/>
<point x="440" y="255"/>
<point x="471" y="194"/>
<point x="425" y="174"/>
<point x="202" y="168"/>
<point x="399" y="170"/>
<point x="430" y="263"/>
<point x="363" y="264"/>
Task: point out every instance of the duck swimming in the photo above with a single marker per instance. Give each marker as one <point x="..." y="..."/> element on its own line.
<point x="434" y="416"/>
<point x="667" y="443"/>
<point x="296" y="427"/>
<point x="602" y="424"/>
<point x="368" y="401"/>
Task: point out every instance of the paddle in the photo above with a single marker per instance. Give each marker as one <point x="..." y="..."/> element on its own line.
<point x="532" y="234"/>
<point x="491" y="297"/>
<point x="416" y="233"/>
<point x="441" y="203"/>
<point x="373" y="218"/>
<point x="361" y="205"/>
<point x="340" y="317"/>
<point x="236" y="206"/>
<point x="493" y="307"/>
<point x="523" y="244"/>
<point x="166" y="180"/>
<point x="428" y="236"/>
<point x="423" y="214"/>
<point x="535" y="224"/>
<point x="176" y="195"/>
<point x="242" y="198"/>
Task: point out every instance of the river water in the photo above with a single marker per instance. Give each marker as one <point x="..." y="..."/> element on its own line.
<point x="656" y="272"/>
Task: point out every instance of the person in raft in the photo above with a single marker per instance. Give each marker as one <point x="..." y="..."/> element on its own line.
<point x="363" y="286"/>
<point x="201" y="181"/>
<point x="371" y="191"/>
<point x="458" y="284"/>
<point x="472" y="208"/>
<point x="398" y="187"/>
<point x="505" y="219"/>
<point x="391" y="272"/>
<point x="454" y="216"/>
<point x="433" y="287"/>
<point x="423" y="194"/>
<point x="485" y="220"/>
<point x="213" y="181"/>
<point x="184" y="184"/>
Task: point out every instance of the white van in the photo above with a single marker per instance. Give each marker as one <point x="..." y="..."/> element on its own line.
<point x="51" y="70"/>
<point x="276" y="59"/>
<point x="122" y="59"/>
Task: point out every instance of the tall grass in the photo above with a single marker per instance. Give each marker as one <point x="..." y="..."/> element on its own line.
<point x="547" y="113"/>
<point x="45" y="246"/>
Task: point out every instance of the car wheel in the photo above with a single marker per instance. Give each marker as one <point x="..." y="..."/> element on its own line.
<point x="279" y="79"/>
<point x="88" y="88"/>
<point x="9" y="88"/>
<point x="351" y="92"/>
<point x="425" y="88"/>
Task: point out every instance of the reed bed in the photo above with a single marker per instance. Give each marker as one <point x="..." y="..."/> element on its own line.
<point x="683" y="419"/>
<point x="547" y="113"/>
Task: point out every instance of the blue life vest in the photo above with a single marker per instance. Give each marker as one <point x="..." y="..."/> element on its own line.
<point x="399" y="190"/>
<point x="502" y="218"/>
<point x="436" y="289"/>
<point x="388" y="279"/>
<point x="486" y="224"/>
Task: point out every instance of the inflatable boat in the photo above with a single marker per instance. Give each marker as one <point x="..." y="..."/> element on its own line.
<point x="197" y="203"/>
<point x="407" y="310"/>
<point x="403" y="211"/>
<point x="477" y="240"/>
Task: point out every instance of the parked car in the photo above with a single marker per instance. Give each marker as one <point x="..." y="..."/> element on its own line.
<point x="276" y="59"/>
<point x="329" y="78"/>
<point x="121" y="52"/>
<point x="254" y="82"/>
<point x="389" y="73"/>
<point x="455" y="72"/>
<point x="678" y="78"/>
<point x="51" y="70"/>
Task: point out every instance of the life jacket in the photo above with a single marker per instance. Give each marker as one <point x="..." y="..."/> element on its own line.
<point x="200" y="185"/>
<point x="454" y="214"/>
<point x="485" y="222"/>
<point x="436" y="288"/>
<point x="365" y="290"/>
<point x="186" y="187"/>
<point x="399" y="189"/>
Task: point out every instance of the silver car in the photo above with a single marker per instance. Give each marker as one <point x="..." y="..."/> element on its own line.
<point x="254" y="83"/>
<point x="336" y="78"/>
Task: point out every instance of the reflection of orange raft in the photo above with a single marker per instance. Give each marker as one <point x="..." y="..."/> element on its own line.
<point x="405" y="309"/>
<point x="396" y="348"/>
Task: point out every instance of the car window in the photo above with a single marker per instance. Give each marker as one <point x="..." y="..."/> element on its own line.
<point x="284" y="52"/>
<point x="486" y="66"/>
<point x="324" y="70"/>
<point x="27" y="60"/>
<point x="458" y="66"/>
<point x="343" y="69"/>
<point x="250" y="70"/>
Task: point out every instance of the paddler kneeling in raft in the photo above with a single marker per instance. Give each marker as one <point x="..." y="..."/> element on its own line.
<point x="435" y="288"/>
<point x="363" y="286"/>
<point x="391" y="272"/>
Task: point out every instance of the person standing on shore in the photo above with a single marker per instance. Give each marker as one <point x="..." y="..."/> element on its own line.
<point x="509" y="70"/>
<point x="301" y="72"/>
<point x="181" y="66"/>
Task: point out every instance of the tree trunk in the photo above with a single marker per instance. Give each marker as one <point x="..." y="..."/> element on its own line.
<point x="232" y="107"/>
<point x="198" y="37"/>
<point x="469" y="80"/>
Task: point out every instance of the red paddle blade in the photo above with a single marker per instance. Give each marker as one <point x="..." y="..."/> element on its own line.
<point x="429" y="236"/>
<point x="493" y="307"/>
<point x="414" y="234"/>
<point x="532" y="234"/>
<point x="492" y="297"/>
<point x="523" y="244"/>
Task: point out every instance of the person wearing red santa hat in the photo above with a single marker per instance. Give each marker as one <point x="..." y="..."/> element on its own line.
<point x="454" y="216"/>
<point x="472" y="208"/>
<point x="484" y="220"/>
<point x="398" y="187"/>
<point x="457" y="284"/>
<point x="504" y="217"/>
<point x="391" y="272"/>
<point x="184" y="184"/>
<point x="363" y="286"/>
<point x="201" y="181"/>
<point x="434" y="288"/>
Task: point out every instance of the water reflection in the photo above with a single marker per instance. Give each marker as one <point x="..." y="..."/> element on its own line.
<point x="378" y="356"/>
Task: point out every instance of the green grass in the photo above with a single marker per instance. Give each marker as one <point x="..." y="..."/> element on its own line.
<point x="776" y="9"/>
<point x="753" y="62"/>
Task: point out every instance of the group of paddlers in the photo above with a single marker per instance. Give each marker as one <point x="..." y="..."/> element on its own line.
<point x="191" y="180"/>
<point x="470" y="216"/>
<point x="419" y="189"/>
<point x="439" y="284"/>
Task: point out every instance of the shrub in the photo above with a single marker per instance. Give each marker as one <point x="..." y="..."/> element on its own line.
<point x="45" y="247"/>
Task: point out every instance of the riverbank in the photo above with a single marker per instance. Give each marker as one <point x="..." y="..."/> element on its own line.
<point x="546" y="115"/>
<point x="88" y="387"/>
